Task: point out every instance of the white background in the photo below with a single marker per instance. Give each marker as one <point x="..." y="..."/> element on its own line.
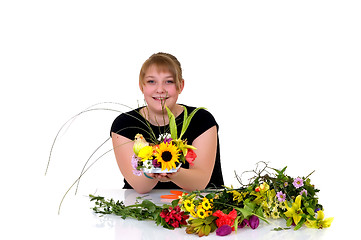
<point x="282" y="78"/>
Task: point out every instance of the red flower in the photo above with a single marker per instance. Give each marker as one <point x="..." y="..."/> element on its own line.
<point x="224" y="219"/>
<point x="174" y="217"/>
<point x="191" y="156"/>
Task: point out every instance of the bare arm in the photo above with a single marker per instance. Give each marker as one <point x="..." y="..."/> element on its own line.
<point x="198" y="176"/>
<point x="123" y="150"/>
<point x="194" y="178"/>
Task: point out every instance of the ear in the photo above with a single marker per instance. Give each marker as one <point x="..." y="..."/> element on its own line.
<point x="181" y="86"/>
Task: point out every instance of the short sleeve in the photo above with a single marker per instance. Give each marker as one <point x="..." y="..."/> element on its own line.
<point x="128" y="124"/>
<point x="200" y="123"/>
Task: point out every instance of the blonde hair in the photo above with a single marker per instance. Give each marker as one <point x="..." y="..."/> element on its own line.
<point x="164" y="62"/>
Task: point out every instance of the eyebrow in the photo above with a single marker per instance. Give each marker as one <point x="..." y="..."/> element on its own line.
<point x="150" y="76"/>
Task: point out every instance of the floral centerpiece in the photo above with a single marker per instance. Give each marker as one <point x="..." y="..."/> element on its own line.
<point x="267" y="196"/>
<point x="167" y="153"/>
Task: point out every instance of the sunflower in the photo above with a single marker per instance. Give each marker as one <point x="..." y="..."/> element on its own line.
<point x="201" y="213"/>
<point x="205" y="204"/>
<point x="167" y="154"/>
<point x="189" y="205"/>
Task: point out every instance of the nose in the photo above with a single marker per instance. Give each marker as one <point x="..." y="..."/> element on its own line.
<point x="160" y="88"/>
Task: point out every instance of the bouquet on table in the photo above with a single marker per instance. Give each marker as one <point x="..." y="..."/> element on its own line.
<point x="167" y="153"/>
<point x="267" y="196"/>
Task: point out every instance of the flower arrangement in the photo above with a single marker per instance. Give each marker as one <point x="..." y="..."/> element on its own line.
<point x="266" y="196"/>
<point x="164" y="154"/>
<point x="270" y="193"/>
<point x="167" y="153"/>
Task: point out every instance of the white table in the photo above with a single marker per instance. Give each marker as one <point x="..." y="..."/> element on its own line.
<point x="77" y="221"/>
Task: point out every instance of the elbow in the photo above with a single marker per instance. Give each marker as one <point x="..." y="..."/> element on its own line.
<point x="198" y="187"/>
<point x="141" y="190"/>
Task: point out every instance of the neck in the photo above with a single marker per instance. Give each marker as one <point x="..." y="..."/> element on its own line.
<point x="160" y="118"/>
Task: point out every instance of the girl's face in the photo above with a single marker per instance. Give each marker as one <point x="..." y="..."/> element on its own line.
<point x="159" y="88"/>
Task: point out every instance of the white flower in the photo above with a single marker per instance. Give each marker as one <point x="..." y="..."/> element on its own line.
<point x="163" y="136"/>
<point x="148" y="164"/>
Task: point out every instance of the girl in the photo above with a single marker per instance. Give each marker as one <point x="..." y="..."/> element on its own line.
<point x="161" y="81"/>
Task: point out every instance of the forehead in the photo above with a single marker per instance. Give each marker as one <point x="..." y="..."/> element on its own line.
<point x="158" y="69"/>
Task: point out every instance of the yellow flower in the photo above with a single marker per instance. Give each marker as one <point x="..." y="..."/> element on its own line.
<point x="319" y="222"/>
<point x="201" y="213"/>
<point x="167" y="155"/>
<point x="295" y="211"/>
<point x="206" y="205"/>
<point x="183" y="146"/>
<point x="193" y="213"/>
<point x="275" y="214"/>
<point x="189" y="206"/>
<point x="146" y="153"/>
<point x="208" y="213"/>
<point x="282" y="205"/>
<point x="238" y="196"/>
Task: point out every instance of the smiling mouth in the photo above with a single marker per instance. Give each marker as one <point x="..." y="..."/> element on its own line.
<point x="160" y="98"/>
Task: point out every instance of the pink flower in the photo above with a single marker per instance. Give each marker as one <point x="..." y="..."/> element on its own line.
<point x="281" y="196"/>
<point x="191" y="156"/>
<point x="304" y="191"/>
<point x="134" y="163"/>
<point x="298" y="182"/>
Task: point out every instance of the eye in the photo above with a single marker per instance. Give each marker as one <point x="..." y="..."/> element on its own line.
<point x="169" y="82"/>
<point x="150" y="81"/>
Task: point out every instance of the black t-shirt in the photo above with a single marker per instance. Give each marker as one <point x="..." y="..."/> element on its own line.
<point x="130" y="123"/>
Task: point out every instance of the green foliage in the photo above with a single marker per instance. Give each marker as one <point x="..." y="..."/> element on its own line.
<point x="261" y="198"/>
<point x="202" y="227"/>
<point x="146" y="210"/>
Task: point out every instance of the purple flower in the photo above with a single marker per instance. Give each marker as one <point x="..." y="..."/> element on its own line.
<point x="253" y="222"/>
<point x="281" y="196"/>
<point x="224" y="230"/>
<point x="167" y="140"/>
<point x="244" y="223"/>
<point x="304" y="191"/>
<point x="156" y="163"/>
<point x="298" y="182"/>
<point x="134" y="163"/>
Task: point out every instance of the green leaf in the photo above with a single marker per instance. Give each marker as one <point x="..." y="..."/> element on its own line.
<point x="172" y="124"/>
<point x="289" y="222"/>
<point x="310" y="211"/>
<point x="280" y="229"/>
<point x="300" y="223"/>
<point x="207" y="230"/>
<point x="149" y="205"/>
<point x="184" y="127"/>
<point x="175" y="203"/>
<point x="236" y="223"/>
<point x="209" y="219"/>
<point x="187" y="120"/>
